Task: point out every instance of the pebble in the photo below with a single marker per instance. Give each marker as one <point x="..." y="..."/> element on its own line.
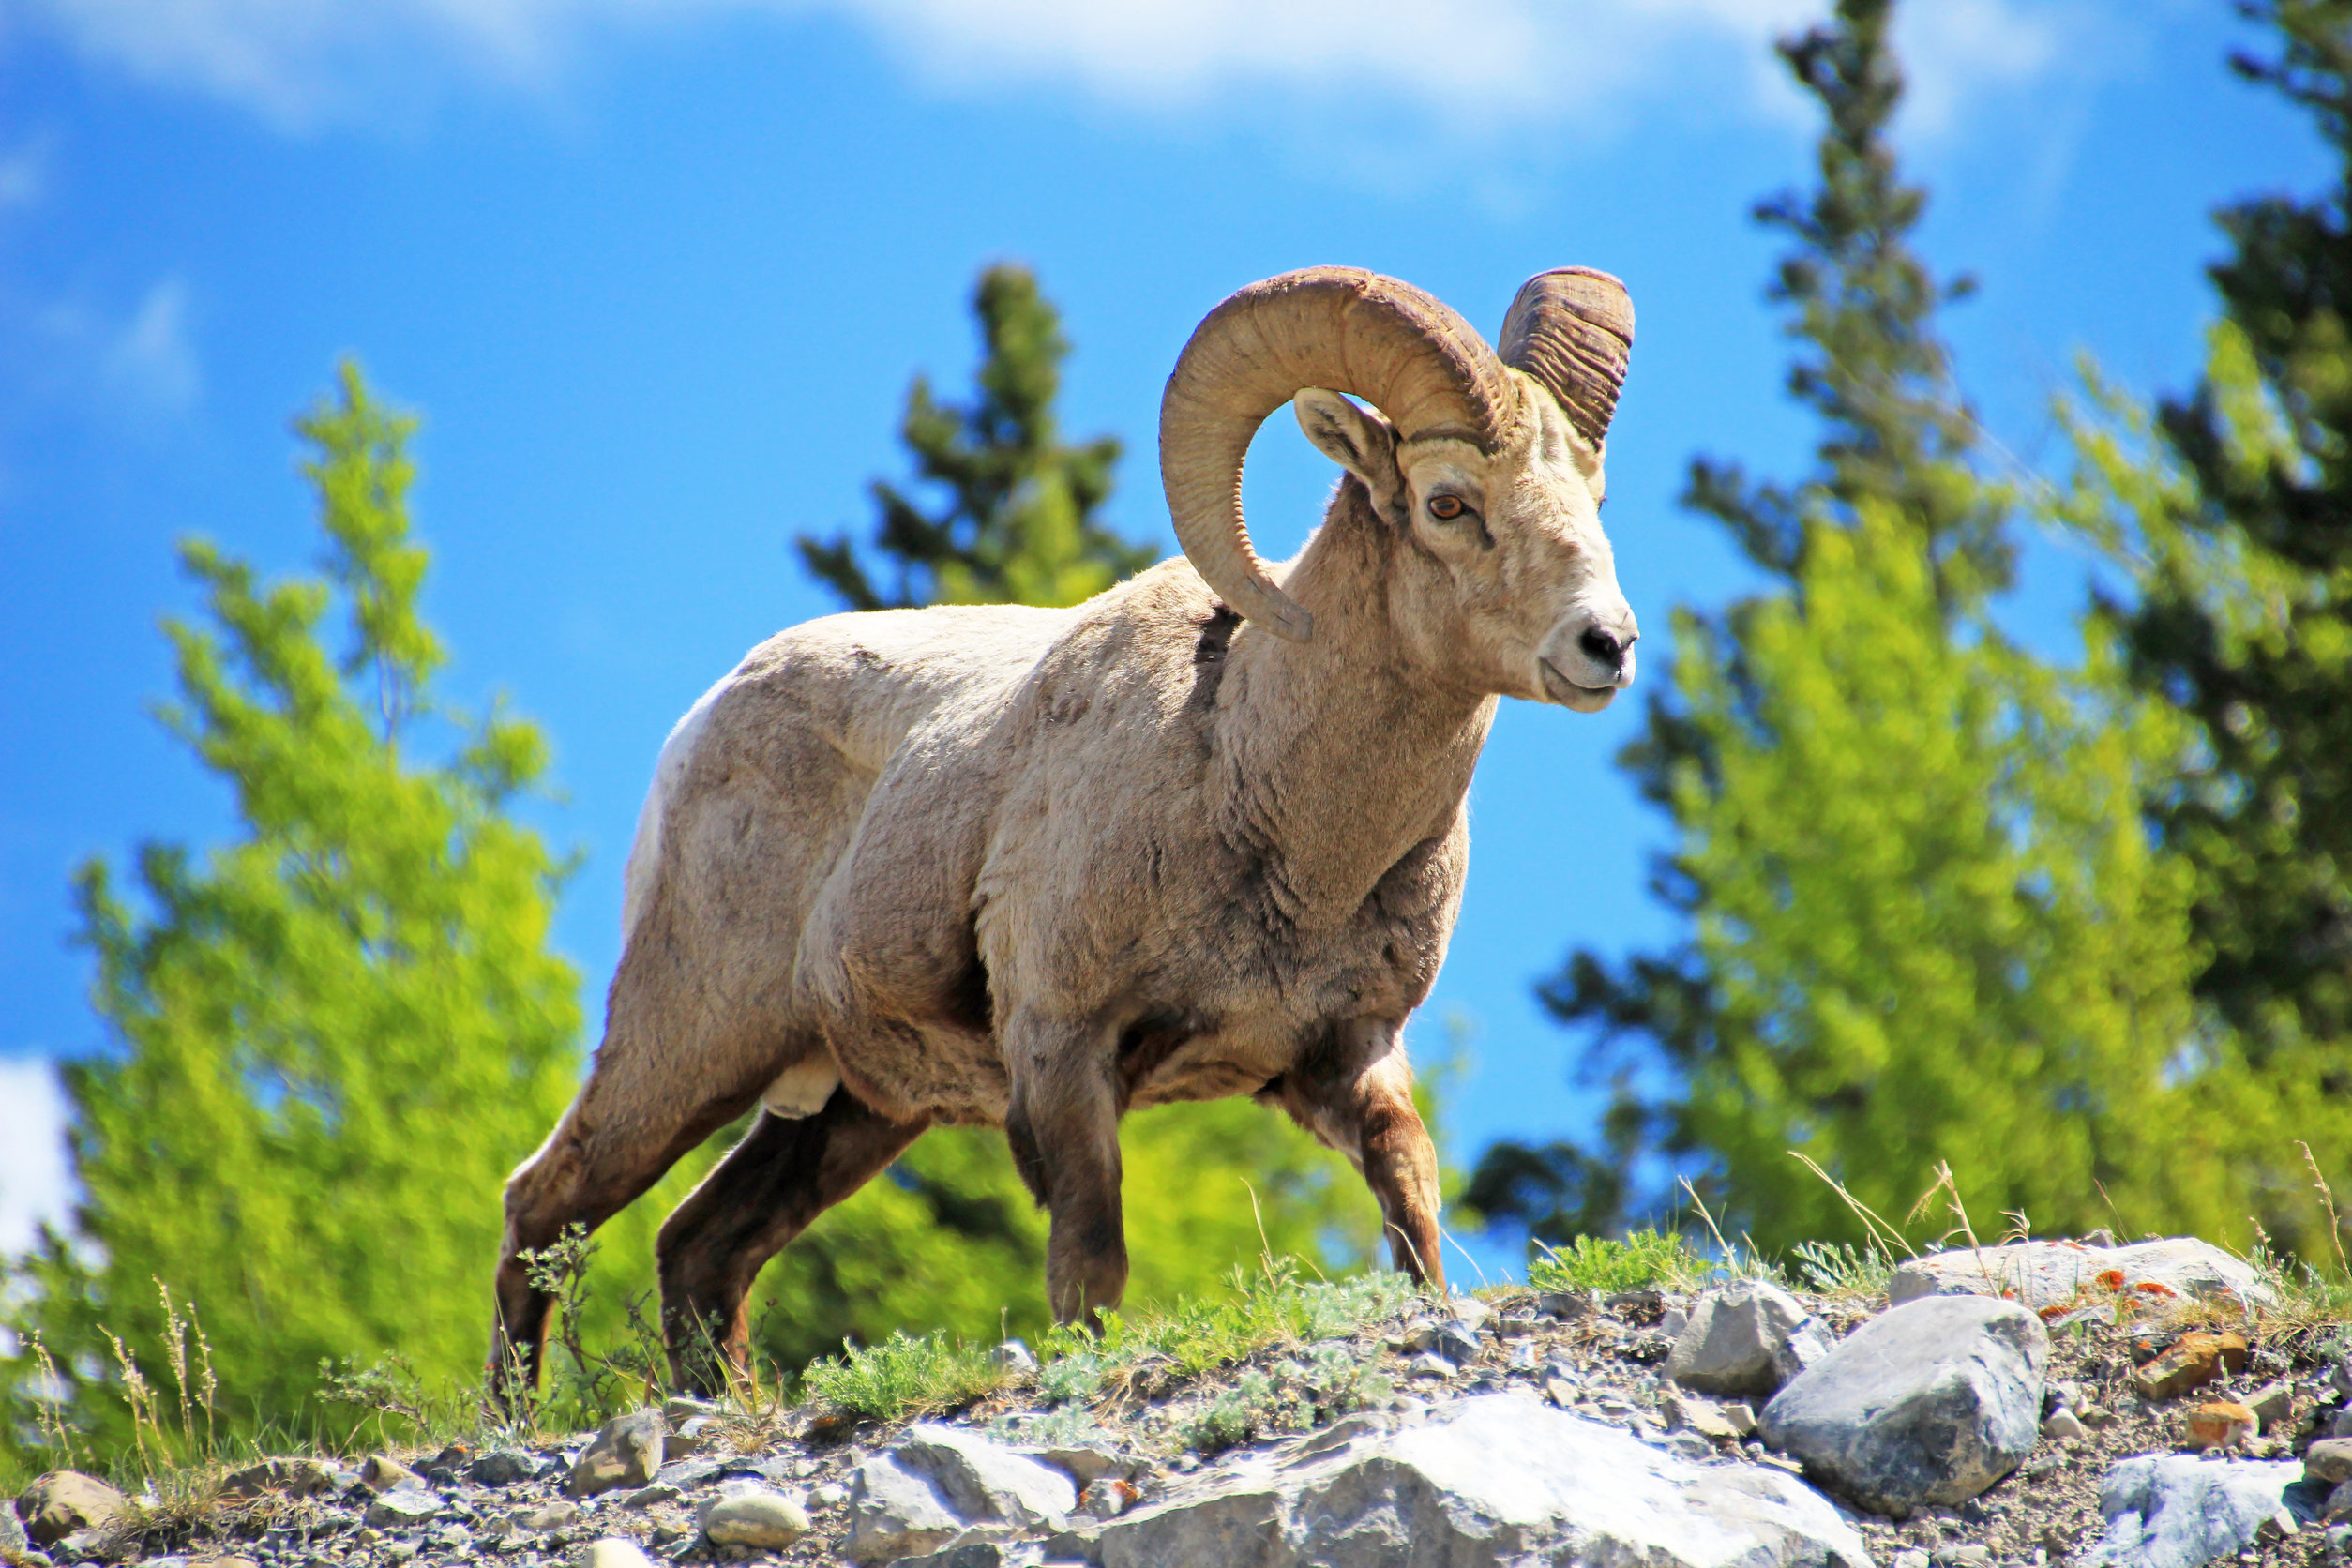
<point x="2330" y="1459"/>
<point x="614" y="1551"/>
<point x="2221" y="1423"/>
<point x="754" y="1516"/>
<point x="1015" y="1357"/>
<point x="1429" y="1364"/>
<point x="381" y="1472"/>
<point x="2063" y="1423"/>
<point x="2273" y="1403"/>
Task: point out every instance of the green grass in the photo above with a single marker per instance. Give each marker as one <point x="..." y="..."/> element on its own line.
<point x="1841" y="1270"/>
<point x="1269" y="1308"/>
<point x="1645" y="1259"/>
<point x="904" y="1377"/>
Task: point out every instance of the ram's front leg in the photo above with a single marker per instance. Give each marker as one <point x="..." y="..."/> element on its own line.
<point x="1064" y="1128"/>
<point x="1356" y="1094"/>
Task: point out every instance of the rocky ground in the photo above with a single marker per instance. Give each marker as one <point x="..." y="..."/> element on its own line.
<point x="2124" y="1406"/>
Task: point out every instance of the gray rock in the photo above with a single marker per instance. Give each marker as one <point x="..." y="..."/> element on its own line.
<point x="626" y="1452"/>
<point x="1458" y="1342"/>
<point x="983" y="1482"/>
<point x="681" y="1407"/>
<point x="2048" y="1273"/>
<point x="13" y="1536"/>
<point x="554" y="1515"/>
<point x="895" y="1512"/>
<point x="1745" y="1338"/>
<point x="403" y="1507"/>
<point x="1490" y="1479"/>
<point x="1089" y="1463"/>
<point x="1015" y="1357"/>
<point x="381" y="1472"/>
<point x="689" y="1437"/>
<point x="2175" y="1511"/>
<point x="62" y="1503"/>
<point x="687" y="1474"/>
<point x="970" y="1554"/>
<point x="2273" y="1403"/>
<point x="757" y="1516"/>
<point x="1927" y="1403"/>
<point x="296" y="1477"/>
<point x="502" y="1467"/>
<point x="1107" y="1497"/>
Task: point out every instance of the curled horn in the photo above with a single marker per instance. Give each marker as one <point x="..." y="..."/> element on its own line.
<point x="1340" y="328"/>
<point x="1572" y="329"/>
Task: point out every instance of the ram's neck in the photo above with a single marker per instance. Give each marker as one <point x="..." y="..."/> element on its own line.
<point x="1337" y="756"/>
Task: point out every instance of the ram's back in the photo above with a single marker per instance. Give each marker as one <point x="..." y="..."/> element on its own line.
<point x="761" y="785"/>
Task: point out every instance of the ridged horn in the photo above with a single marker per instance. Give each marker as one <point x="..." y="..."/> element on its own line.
<point x="1572" y="329"/>
<point x="1341" y="329"/>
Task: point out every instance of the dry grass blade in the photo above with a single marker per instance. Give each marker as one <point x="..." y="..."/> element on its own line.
<point x="2328" y="1196"/>
<point x="1885" y="1235"/>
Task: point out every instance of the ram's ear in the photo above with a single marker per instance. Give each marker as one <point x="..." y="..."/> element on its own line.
<point x="1359" y="440"/>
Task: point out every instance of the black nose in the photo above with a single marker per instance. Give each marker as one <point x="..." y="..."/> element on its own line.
<point x="1601" y="647"/>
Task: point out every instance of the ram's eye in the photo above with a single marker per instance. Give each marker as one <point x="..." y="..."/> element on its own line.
<point x="1445" y="508"/>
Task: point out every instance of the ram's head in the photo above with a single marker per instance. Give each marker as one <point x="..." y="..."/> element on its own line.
<point x="1490" y="464"/>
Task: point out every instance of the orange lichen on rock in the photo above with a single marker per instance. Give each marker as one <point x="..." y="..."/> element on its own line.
<point x="2193" y="1361"/>
<point x="2222" y="1424"/>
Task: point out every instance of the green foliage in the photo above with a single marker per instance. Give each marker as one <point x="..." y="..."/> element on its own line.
<point x="1644" y="1260"/>
<point x="1235" y="1415"/>
<point x="1268" y="1305"/>
<point x="1927" y="919"/>
<point x="950" y="1240"/>
<point x="1843" y="1270"/>
<point x="1018" y="524"/>
<point x="332" y="1036"/>
<point x="2228" y="510"/>
<point x="903" y="1377"/>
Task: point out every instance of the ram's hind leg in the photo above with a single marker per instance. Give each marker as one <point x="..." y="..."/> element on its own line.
<point x="657" y="1089"/>
<point x="770" y="1188"/>
<point x="1356" y="1094"/>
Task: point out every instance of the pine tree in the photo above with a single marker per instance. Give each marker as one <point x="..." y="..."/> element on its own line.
<point x="1926" y="923"/>
<point x="331" y="1037"/>
<point x="949" y="1237"/>
<point x="2232" y="511"/>
<point x="1018" y="524"/>
<point x="2267" y="819"/>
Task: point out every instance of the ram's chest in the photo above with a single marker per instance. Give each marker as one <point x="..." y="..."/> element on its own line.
<point x="1237" y="1002"/>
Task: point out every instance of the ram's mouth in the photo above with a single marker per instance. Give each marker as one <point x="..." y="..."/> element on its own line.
<point x="1568" y="694"/>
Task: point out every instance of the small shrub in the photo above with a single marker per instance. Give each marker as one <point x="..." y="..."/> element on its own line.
<point x="1071" y="1379"/>
<point x="1842" y="1271"/>
<point x="1064" y="1427"/>
<point x="1237" y="1415"/>
<point x="904" y="1377"/>
<point x="1341" y="1380"/>
<point x="1644" y="1258"/>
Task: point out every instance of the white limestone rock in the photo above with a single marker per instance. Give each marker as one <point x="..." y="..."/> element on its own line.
<point x="1480" y="1482"/>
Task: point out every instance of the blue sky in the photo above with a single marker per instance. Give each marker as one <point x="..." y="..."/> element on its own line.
<point x="657" y="273"/>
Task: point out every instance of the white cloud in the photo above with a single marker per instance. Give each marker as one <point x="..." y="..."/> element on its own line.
<point x="36" y="1183"/>
<point x="150" y="360"/>
<point x="1481" y="66"/>
<point x="24" y="174"/>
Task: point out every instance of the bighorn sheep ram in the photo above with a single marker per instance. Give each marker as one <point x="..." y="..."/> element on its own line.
<point x="1203" y="835"/>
